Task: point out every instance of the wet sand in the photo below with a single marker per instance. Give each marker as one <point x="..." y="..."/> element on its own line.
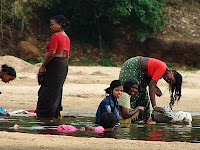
<point x="83" y="91"/>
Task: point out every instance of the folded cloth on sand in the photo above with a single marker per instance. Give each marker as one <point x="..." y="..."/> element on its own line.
<point x="2" y="110"/>
<point x="171" y="117"/>
<point x="21" y="113"/>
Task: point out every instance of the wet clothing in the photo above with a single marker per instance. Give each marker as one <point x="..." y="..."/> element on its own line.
<point x="132" y="69"/>
<point x="124" y="101"/>
<point x="109" y="104"/>
<point x="70" y="128"/>
<point x="156" y="69"/>
<point x="50" y="92"/>
<point x="58" y="42"/>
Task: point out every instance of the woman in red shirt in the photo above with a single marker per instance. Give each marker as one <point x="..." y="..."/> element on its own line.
<point x="148" y="71"/>
<point x="54" y="69"/>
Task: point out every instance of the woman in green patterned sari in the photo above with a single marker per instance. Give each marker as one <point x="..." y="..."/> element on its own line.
<point x="148" y="71"/>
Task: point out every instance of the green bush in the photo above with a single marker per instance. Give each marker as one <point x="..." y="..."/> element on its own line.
<point x="108" y="63"/>
<point x="35" y="61"/>
<point x="147" y="17"/>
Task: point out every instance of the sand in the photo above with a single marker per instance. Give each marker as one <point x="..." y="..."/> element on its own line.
<point x="83" y="91"/>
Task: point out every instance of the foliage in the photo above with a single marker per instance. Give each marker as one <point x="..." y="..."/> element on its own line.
<point x="92" y="20"/>
<point x="82" y="62"/>
<point x="147" y="17"/>
<point x="17" y="13"/>
<point x="108" y="63"/>
<point x="35" y="61"/>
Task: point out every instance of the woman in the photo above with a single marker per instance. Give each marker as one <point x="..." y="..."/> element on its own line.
<point x="130" y="88"/>
<point x="148" y="71"/>
<point x="110" y="103"/>
<point x="7" y="73"/>
<point x="54" y="69"/>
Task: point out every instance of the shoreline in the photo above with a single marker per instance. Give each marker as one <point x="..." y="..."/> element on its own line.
<point x="83" y="91"/>
<point x="14" y="140"/>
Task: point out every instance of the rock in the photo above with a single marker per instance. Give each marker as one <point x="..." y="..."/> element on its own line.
<point x="27" y="51"/>
<point x="33" y="40"/>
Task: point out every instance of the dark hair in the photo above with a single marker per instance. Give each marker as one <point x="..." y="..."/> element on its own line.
<point x="128" y="84"/>
<point x="175" y="89"/>
<point x="10" y="71"/>
<point x="113" y="84"/>
<point x="60" y="19"/>
<point x="108" y="120"/>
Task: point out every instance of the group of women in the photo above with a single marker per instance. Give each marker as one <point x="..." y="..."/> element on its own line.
<point x="130" y="90"/>
<point x="128" y="98"/>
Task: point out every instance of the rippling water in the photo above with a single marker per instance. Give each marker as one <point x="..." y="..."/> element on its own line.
<point x="150" y="132"/>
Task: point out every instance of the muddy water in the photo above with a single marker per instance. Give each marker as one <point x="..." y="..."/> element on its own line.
<point x="151" y="132"/>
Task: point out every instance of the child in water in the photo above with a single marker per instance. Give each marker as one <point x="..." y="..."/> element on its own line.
<point x="110" y="103"/>
<point x="107" y="123"/>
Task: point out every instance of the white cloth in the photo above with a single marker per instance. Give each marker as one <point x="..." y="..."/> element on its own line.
<point x="21" y="113"/>
<point x="171" y="117"/>
<point x="182" y="117"/>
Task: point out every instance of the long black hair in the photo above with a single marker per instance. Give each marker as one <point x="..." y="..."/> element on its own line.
<point x="175" y="89"/>
<point x="60" y="19"/>
<point x="10" y="71"/>
<point x="113" y="84"/>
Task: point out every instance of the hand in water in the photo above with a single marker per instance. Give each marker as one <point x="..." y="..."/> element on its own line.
<point x="140" y="108"/>
<point x="159" y="109"/>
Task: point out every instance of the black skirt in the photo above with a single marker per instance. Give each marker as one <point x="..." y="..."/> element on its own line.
<point x="50" y="92"/>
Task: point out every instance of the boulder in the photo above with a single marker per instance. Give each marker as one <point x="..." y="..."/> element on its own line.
<point x="27" y="51"/>
<point x="33" y="40"/>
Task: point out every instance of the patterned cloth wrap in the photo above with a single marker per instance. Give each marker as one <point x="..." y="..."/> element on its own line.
<point x="132" y="69"/>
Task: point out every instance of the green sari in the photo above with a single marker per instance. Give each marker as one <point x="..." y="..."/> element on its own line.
<point x="132" y="69"/>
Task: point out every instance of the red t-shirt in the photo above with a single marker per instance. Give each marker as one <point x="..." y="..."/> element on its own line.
<point x="58" y="42"/>
<point x="156" y="69"/>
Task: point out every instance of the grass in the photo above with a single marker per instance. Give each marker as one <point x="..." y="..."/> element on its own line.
<point x="173" y="66"/>
<point x="108" y="63"/>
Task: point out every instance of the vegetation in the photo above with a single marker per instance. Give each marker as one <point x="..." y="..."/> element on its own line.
<point x="92" y="20"/>
<point x="96" y="22"/>
<point x="16" y="14"/>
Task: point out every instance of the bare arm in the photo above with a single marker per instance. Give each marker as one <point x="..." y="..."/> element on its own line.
<point x="152" y="87"/>
<point x="128" y="114"/>
<point x="47" y="58"/>
<point x="158" y="91"/>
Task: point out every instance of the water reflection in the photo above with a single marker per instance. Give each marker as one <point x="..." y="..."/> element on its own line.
<point x="153" y="132"/>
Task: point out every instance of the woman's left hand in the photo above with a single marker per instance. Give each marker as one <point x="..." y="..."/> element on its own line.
<point x="41" y="71"/>
<point x="40" y="75"/>
<point x="159" y="109"/>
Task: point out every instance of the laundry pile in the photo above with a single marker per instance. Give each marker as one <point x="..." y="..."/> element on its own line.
<point x="172" y="117"/>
